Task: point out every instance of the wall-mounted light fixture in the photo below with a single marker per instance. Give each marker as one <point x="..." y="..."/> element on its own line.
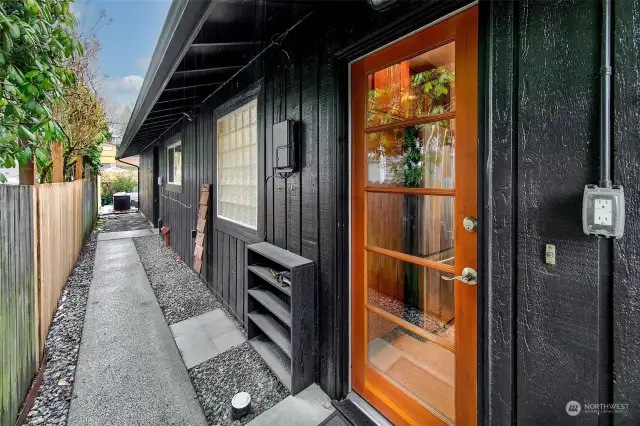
<point x="380" y="5"/>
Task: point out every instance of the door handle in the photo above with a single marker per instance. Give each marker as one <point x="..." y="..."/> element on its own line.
<point x="469" y="276"/>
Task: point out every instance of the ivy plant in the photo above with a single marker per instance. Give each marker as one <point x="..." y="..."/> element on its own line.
<point x="37" y="42"/>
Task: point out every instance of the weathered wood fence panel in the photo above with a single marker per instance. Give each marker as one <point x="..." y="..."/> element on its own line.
<point x="18" y="343"/>
<point x="42" y="230"/>
<point x="60" y="240"/>
<point x="89" y="206"/>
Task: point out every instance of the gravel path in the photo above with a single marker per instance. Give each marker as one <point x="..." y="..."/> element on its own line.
<point x="180" y="292"/>
<point x="52" y="403"/>
<point x="122" y="222"/>
<point x="239" y="369"/>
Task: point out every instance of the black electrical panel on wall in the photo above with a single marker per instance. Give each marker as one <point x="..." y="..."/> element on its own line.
<point x="285" y="146"/>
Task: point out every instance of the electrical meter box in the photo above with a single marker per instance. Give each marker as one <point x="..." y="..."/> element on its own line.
<point x="603" y="211"/>
<point x="285" y="146"/>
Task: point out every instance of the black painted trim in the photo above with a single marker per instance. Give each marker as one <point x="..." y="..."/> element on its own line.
<point x="343" y="253"/>
<point x="484" y="49"/>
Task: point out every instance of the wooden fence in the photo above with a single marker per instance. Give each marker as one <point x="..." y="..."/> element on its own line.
<point x="89" y="206"/>
<point x="60" y="241"/>
<point x="42" y="230"/>
<point x="18" y="354"/>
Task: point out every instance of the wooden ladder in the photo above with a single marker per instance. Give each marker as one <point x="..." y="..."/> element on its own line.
<point x="202" y="223"/>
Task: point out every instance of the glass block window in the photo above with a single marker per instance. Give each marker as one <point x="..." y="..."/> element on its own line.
<point x="238" y="166"/>
<point x="174" y="163"/>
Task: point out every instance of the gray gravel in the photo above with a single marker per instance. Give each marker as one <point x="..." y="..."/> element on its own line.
<point x="239" y="369"/>
<point x="122" y="222"/>
<point x="51" y="406"/>
<point x="180" y="292"/>
<point x="412" y="314"/>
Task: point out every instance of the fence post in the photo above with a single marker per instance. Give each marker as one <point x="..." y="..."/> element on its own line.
<point x="79" y="167"/>
<point x="28" y="172"/>
<point x="56" y="156"/>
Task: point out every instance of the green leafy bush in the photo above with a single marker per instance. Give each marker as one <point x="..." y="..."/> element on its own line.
<point x="37" y="42"/>
<point x="113" y="182"/>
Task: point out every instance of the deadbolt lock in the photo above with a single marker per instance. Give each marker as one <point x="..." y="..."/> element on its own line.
<point x="470" y="224"/>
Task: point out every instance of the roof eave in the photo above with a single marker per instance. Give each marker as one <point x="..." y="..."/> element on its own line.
<point x="183" y="22"/>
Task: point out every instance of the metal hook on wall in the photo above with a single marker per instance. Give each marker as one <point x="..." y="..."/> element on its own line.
<point x="276" y="40"/>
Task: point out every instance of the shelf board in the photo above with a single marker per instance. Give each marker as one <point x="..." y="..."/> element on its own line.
<point x="273" y="303"/>
<point x="274" y="331"/>
<point x="264" y="272"/>
<point x="279" y="255"/>
<point x="275" y="359"/>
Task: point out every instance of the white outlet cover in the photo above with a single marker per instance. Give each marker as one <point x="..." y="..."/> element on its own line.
<point x="603" y="212"/>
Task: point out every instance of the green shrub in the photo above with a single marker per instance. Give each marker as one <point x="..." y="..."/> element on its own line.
<point x="113" y="182"/>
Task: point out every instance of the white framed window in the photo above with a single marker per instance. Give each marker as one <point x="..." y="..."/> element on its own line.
<point x="238" y="166"/>
<point x="174" y="163"/>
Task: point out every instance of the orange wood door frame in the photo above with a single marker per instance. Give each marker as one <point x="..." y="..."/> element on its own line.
<point x="392" y="401"/>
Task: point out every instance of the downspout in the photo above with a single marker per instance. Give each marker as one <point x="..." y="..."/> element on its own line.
<point x="137" y="167"/>
<point x="605" y="97"/>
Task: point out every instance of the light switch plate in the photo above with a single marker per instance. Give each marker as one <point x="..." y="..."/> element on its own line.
<point x="603" y="211"/>
<point x="550" y="254"/>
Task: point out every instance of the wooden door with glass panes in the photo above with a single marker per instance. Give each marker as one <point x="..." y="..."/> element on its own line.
<point x="414" y="185"/>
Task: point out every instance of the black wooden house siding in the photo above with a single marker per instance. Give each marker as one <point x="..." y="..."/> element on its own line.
<point x="566" y="332"/>
<point x="547" y="334"/>
<point x="302" y="213"/>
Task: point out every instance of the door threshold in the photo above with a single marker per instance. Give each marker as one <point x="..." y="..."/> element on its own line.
<point x="359" y="412"/>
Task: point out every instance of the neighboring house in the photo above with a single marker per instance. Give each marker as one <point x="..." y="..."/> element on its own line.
<point x="458" y="111"/>
<point x="108" y="155"/>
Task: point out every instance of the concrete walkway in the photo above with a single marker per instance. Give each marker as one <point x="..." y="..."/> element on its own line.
<point x="129" y="370"/>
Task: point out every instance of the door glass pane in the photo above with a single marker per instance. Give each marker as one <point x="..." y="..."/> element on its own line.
<point x="419" y="225"/>
<point x="417" y="87"/>
<point x="420" y="366"/>
<point x="412" y="293"/>
<point x="419" y="156"/>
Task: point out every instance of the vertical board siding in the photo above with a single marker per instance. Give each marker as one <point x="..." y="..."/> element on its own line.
<point x="18" y="344"/>
<point x="268" y="144"/>
<point x="500" y="202"/>
<point x="293" y="201"/>
<point x="549" y="212"/>
<point x="626" y="252"/>
<point x="299" y="213"/>
<point x="279" y="210"/>
<point x="549" y="334"/>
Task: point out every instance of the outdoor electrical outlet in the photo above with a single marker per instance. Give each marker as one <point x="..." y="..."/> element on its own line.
<point x="550" y="254"/>
<point x="603" y="211"/>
